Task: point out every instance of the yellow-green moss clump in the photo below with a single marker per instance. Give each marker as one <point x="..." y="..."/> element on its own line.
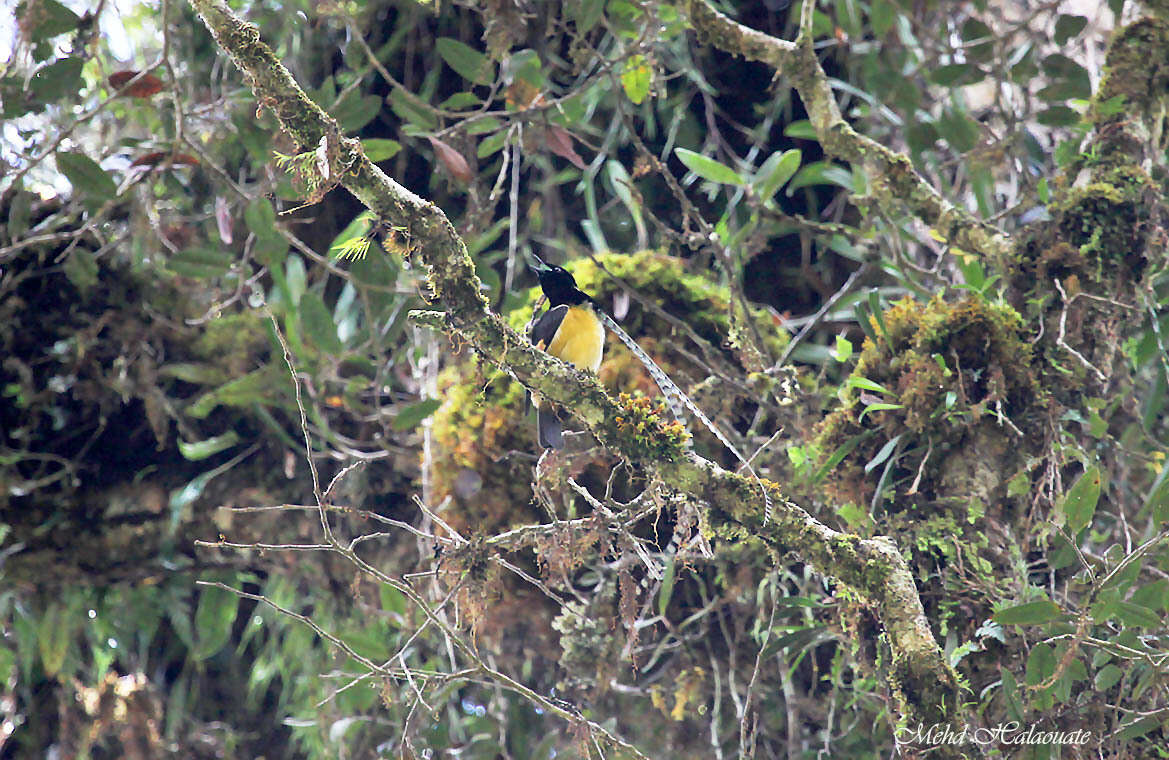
<point x="486" y="444"/>
<point x="945" y="368"/>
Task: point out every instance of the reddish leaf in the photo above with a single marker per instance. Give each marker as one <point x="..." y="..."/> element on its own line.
<point x="223" y="219"/>
<point x="452" y="161"/>
<point x="162" y="156"/>
<point x="145" y="87"/>
<point x="559" y="141"/>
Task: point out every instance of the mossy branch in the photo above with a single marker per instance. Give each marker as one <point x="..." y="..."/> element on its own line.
<point x="873" y="567"/>
<point x="891" y="174"/>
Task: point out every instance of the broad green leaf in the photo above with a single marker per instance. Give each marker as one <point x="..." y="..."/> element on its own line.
<point x="1079" y="503"/>
<point x="483" y="126"/>
<point x="410" y="111"/>
<point x="585" y="13"/>
<point x="492" y="144"/>
<point x="467" y="62"/>
<point x="775" y="171"/>
<point x="1029" y="613"/>
<point x="460" y="101"/>
<point x="57" y="80"/>
<point x="200" y="263"/>
<point x="208" y="447"/>
<point x="410" y="417"/>
<point x="214" y="619"/>
<point x="1137" y="615"/>
<point x="801" y="129"/>
<point x="261" y="218"/>
<point x="820" y="173"/>
<point x="317" y="323"/>
<point x="882" y="15"/>
<point x="636" y="78"/>
<point x="49" y="18"/>
<point x="955" y="74"/>
<point x="1107" y="677"/>
<point x="86" y="176"/>
<point x="81" y="269"/>
<point x="355" y="110"/>
<point x="1058" y="116"/>
<point x="843" y="349"/>
<point x="708" y="168"/>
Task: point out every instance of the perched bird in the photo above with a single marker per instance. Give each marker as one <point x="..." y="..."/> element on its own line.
<point x="570" y="330"/>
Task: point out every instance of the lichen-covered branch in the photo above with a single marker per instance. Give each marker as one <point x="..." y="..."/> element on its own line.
<point x="894" y="180"/>
<point x="874" y="568"/>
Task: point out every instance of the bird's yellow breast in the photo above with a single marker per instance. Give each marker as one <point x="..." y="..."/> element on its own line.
<point x="580" y="340"/>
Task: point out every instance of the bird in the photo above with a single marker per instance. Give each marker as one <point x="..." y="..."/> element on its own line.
<point x="569" y="329"/>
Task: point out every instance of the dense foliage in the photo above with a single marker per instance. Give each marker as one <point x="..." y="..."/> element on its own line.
<point x="909" y="258"/>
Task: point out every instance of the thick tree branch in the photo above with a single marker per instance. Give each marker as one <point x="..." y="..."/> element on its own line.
<point x="926" y="685"/>
<point x="894" y="180"/>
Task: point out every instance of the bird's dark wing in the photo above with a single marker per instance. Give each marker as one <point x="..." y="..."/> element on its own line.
<point x="546" y="326"/>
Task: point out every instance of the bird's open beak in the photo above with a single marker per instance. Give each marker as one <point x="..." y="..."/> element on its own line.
<point x="536" y="263"/>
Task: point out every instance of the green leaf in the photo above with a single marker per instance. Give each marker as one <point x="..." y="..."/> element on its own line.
<point x="254" y="387"/>
<point x="775" y="171"/>
<point x="708" y="168"/>
<point x="585" y="13"/>
<point x="820" y="173"/>
<point x="49" y="18"/>
<point x="843" y="349"/>
<point x="261" y="218"/>
<point x="355" y="110"/>
<point x="413" y="415"/>
<point x="885" y="452"/>
<point x="1058" y="116"/>
<point x="667" y="589"/>
<point x="838" y="456"/>
<point x="214" y="619"/>
<point x="200" y="263"/>
<point x="86" y="176"/>
<point x="1107" y="677"/>
<point x="57" y="80"/>
<point x="882" y="14"/>
<point x="955" y="74"/>
<point x="856" y="381"/>
<point x="491" y="144"/>
<point x="636" y="77"/>
<point x="81" y="269"/>
<point x="1137" y="615"/>
<point x="1068" y="26"/>
<point x="801" y="129"/>
<point x="317" y="322"/>
<point x="1158" y="499"/>
<point x="801" y="638"/>
<point x="412" y="112"/>
<point x="1029" y="613"/>
<point x="1079" y="503"/>
<point x="467" y="62"/>
<point x="1139" y="727"/>
<point x="54" y="634"/>
<point x="461" y="101"/>
<point x="208" y="447"/>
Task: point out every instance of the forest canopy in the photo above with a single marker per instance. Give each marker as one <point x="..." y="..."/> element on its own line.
<point x="873" y="460"/>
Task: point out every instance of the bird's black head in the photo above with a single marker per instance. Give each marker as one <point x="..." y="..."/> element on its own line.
<point x="557" y="283"/>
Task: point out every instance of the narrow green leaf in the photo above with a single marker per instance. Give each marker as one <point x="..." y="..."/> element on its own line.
<point x="355" y="110"/>
<point x="667" y="589"/>
<point x="1029" y="613"/>
<point x="410" y="417"/>
<point x="1079" y="503"/>
<point x="820" y="173"/>
<point x="208" y="447"/>
<point x="856" y="381"/>
<point x="86" y="176"/>
<point x="801" y="129"/>
<point x="838" y="456"/>
<point x="54" y="633"/>
<point x="467" y="62"/>
<point x="708" y="168"/>
<point x="885" y="452"/>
